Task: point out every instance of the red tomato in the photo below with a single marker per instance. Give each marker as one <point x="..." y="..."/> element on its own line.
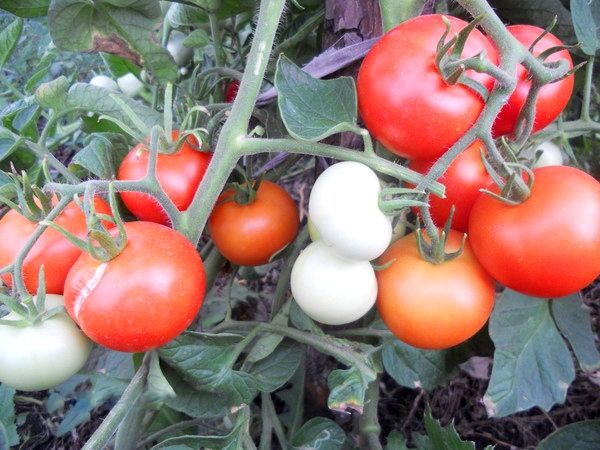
<point x="404" y="101"/>
<point x="52" y="249"/>
<point x="463" y="180"/>
<point x="248" y="235"/>
<point x="433" y="306"/>
<point x="552" y="98"/>
<point x="547" y="246"/>
<point x="142" y="298"/>
<point x="179" y="174"/>
<point x="231" y="91"/>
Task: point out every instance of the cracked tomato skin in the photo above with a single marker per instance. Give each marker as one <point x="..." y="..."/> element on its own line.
<point x="248" y="235"/>
<point x="553" y="97"/>
<point x="404" y="101"/>
<point x="549" y="245"/>
<point x="52" y="249"/>
<point x="142" y="298"/>
<point x="179" y="174"/>
<point x="463" y="180"/>
<point x="433" y="306"/>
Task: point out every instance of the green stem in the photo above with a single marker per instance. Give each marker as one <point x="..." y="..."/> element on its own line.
<point x="256" y="145"/>
<point x="266" y="431"/>
<point x="302" y="33"/>
<point x="369" y="422"/>
<point x="216" y="35"/>
<point x="284" y="277"/>
<point x="13" y="90"/>
<point x="587" y="89"/>
<point x="267" y="404"/>
<point x="102" y="435"/>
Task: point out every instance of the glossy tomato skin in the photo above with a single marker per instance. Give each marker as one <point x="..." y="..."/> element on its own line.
<point x="549" y="245"/>
<point x="404" y="101"/>
<point x="142" y="298"/>
<point x="231" y="91"/>
<point x="463" y="180"/>
<point x="248" y="235"/>
<point x="42" y="355"/>
<point x="52" y="249"/>
<point x="179" y="174"/>
<point x="433" y="306"/>
<point x="552" y="98"/>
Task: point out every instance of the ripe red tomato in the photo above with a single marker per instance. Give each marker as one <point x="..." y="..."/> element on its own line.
<point x="142" y="298"/>
<point x="248" y="235"/>
<point x="463" y="180"/>
<point x="231" y="91"/>
<point x="52" y="249"/>
<point x="433" y="306"/>
<point x="552" y="98"/>
<point x="547" y="246"/>
<point x="179" y="174"/>
<point x="404" y="101"/>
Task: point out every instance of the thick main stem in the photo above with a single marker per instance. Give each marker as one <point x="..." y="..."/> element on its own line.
<point x="229" y="146"/>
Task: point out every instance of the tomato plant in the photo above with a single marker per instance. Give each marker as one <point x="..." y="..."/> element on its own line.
<point x="52" y="250"/>
<point x="344" y="209"/>
<point x="548" y="245"/>
<point x="250" y="234"/>
<point x="142" y="298"/>
<point x="433" y="306"/>
<point x="330" y="288"/>
<point x="41" y="355"/>
<point x="552" y="98"/>
<point x="179" y="174"/>
<point x="404" y="100"/>
<point x="463" y="180"/>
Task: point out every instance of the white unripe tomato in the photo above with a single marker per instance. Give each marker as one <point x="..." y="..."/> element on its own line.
<point x="330" y="288"/>
<point x="105" y="82"/>
<point x="551" y="155"/>
<point x="130" y="85"/>
<point x="344" y="208"/>
<point x="180" y="53"/>
<point x="44" y="355"/>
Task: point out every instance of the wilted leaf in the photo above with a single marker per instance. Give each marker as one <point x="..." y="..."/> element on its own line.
<point x="347" y="390"/>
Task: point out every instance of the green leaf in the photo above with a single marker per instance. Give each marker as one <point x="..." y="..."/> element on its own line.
<point x="184" y="15"/>
<point x="276" y="369"/>
<point x="42" y="68"/>
<point x="194" y="402"/>
<point x="7" y="186"/>
<point x="313" y="109"/>
<point x="205" y="361"/>
<point x="585" y="26"/>
<point x="438" y="437"/>
<point x="125" y="28"/>
<point x="319" y="433"/>
<point x="8" y="427"/>
<point x="532" y="363"/>
<point x="26" y="8"/>
<point x="53" y="94"/>
<point x="8" y="40"/>
<point x="119" y="66"/>
<point x="230" y="441"/>
<point x="86" y="97"/>
<point x="575" y="436"/>
<point x="197" y="38"/>
<point x="347" y="390"/>
<point x="574" y="322"/>
<point x="7" y="144"/>
<point x="267" y="343"/>
<point x="101" y="156"/>
<point x="396" y="441"/>
<point x="415" y="368"/>
<point x="159" y="389"/>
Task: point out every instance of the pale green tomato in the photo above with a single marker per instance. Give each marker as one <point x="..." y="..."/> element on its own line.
<point x="551" y="155"/>
<point x="130" y="85"/>
<point x="44" y="355"/>
<point x="105" y="82"/>
<point x="330" y="288"/>
<point x="312" y="231"/>
<point x="180" y="53"/>
<point x="344" y="207"/>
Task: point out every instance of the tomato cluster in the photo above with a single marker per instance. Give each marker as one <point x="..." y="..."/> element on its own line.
<point x="546" y="245"/>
